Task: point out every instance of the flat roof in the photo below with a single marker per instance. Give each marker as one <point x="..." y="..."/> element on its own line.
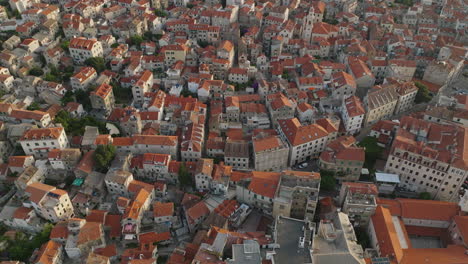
<point x="288" y="232"/>
<point x="387" y="177"/>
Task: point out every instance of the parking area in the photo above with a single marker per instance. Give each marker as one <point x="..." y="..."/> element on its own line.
<point x="310" y="165"/>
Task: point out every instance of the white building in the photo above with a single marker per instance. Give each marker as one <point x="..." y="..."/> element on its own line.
<point x="39" y="141"/>
<point x="82" y="49"/>
<point x="49" y="202"/>
<point x="304" y="141"/>
<point x="352" y="114"/>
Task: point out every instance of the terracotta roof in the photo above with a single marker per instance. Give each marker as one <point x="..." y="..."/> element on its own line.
<point x="86" y="163"/>
<point x="421" y="209"/>
<point x="113" y="221"/>
<point x="26" y="114"/>
<point x="108" y="251"/>
<point x="354" y="106"/>
<point x="267" y="143"/>
<point x="90" y="231"/>
<point x="82" y="43"/>
<point x="42" y="133"/>
<point x="298" y="134"/>
<point x="264" y="183"/>
<point x="17" y="161"/>
<point x="361" y="187"/>
<point x="386" y="234"/>
<point x="453" y="254"/>
<point x="37" y="191"/>
<point x="59" y="231"/>
<point x="163" y="209"/>
<point x="153" y="237"/>
<point x="197" y="211"/>
<point x="48" y="252"/>
<point x="22" y="213"/>
<point x="155" y="140"/>
<point x="98" y="216"/>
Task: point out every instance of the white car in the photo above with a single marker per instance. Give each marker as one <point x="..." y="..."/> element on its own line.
<point x="303" y="165"/>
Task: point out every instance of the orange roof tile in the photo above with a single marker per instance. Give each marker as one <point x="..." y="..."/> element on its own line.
<point x="264" y="183"/>
<point x="163" y="209"/>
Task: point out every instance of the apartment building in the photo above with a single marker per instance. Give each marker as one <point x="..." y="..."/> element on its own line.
<point x="140" y="144"/>
<point x="36" y="117"/>
<point x="336" y="242"/>
<point x="49" y="202"/>
<point x="358" y="201"/>
<point x="237" y="154"/>
<point x="131" y="220"/>
<point x="304" y="142"/>
<point x="6" y="82"/>
<point x="17" y="164"/>
<point x="64" y="159"/>
<point x="297" y="195"/>
<point x="352" y="114"/>
<point x="260" y="191"/>
<point x="143" y="84"/>
<point x="281" y="107"/>
<point x="39" y="141"/>
<point x="30" y="175"/>
<point x="102" y="98"/>
<point x="401" y="69"/>
<point x="203" y="174"/>
<point x="173" y="53"/>
<point x="380" y="104"/>
<point x="83" y="79"/>
<point x="363" y="76"/>
<point x="151" y="166"/>
<point x="406" y="94"/>
<point x="343" y="85"/>
<point x="117" y="182"/>
<point x="253" y="116"/>
<point x="192" y="141"/>
<point x="429" y="157"/>
<point x="344" y="158"/>
<point x="50" y="252"/>
<point x="82" y="49"/>
<point x="164" y="213"/>
<point x="270" y="153"/>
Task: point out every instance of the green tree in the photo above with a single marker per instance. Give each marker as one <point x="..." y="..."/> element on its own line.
<point x="203" y="43"/>
<point x="17" y="14"/>
<point x="187" y="93"/>
<point x="64" y="45"/>
<point x="36" y="71"/>
<point x="98" y="63"/>
<point x="103" y="157"/>
<point x="21" y="248"/>
<point x="423" y="95"/>
<point x="68" y="97"/>
<point x="136" y="40"/>
<point x="362" y="238"/>
<point x="160" y="13"/>
<point x="425" y="196"/>
<point x="115" y="45"/>
<point x="121" y="94"/>
<point x="327" y="182"/>
<point x="285" y="75"/>
<point x="33" y="106"/>
<point x="184" y="176"/>
<point x="372" y="151"/>
<point x="82" y="97"/>
<point x="189" y="5"/>
<point x="76" y="126"/>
